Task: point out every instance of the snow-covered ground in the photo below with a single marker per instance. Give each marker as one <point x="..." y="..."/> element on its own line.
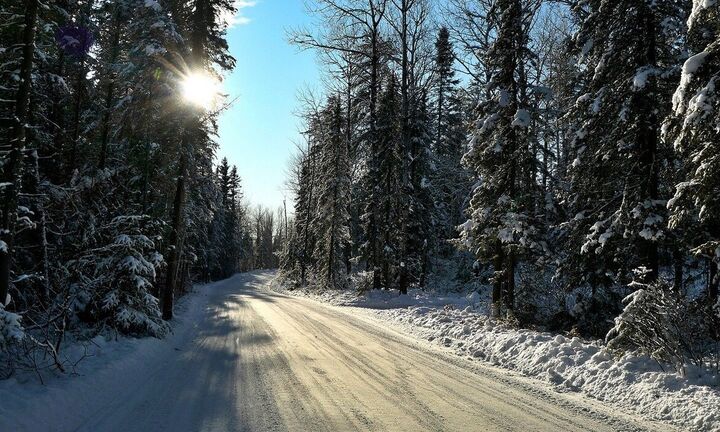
<point x="242" y="358"/>
<point x="461" y="324"/>
<point x="104" y="363"/>
<point x="137" y="381"/>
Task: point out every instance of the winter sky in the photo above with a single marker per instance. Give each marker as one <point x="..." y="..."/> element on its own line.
<point x="259" y="131"/>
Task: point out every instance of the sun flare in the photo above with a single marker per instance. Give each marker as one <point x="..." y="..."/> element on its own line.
<point x="201" y="89"/>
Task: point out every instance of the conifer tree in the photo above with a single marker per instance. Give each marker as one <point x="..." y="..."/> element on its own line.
<point x="694" y="129"/>
<point x="333" y="191"/>
<point x="502" y="216"/>
<point x="628" y="50"/>
<point x="450" y="179"/>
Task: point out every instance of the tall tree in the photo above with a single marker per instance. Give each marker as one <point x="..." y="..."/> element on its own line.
<point x="449" y="181"/>
<point x="502" y="215"/>
<point x="628" y="50"/>
<point x="11" y="168"/>
<point x="207" y="47"/>
<point x="694" y="128"/>
<point x="334" y="186"/>
<point x="366" y="18"/>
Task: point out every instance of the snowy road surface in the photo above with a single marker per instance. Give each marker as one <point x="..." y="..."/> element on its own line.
<point x="246" y="359"/>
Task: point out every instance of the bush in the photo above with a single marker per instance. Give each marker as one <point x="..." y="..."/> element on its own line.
<point x="663" y="325"/>
<point x="114" y="278"/>
<point x="10" y="328"/>
<point x="362" y="281"/>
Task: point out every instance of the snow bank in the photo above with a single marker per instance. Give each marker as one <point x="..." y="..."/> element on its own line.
<point x="633" y="382"/>
<point x="110" y="364"/>
<point x="392" y="299"/>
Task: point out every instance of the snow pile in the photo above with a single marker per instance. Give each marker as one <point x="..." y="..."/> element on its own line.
<point x="460" y="323"/>
<point x="634" y="382"/>
<point x="392" y="299"/>
<point x="690" y="67"/>
<point x="10" y="328"/>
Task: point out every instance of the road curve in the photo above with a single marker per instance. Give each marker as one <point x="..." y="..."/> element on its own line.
<point x="261" y="361"/>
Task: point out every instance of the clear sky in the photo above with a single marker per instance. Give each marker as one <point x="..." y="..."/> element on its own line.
<point x="258" y="132"/>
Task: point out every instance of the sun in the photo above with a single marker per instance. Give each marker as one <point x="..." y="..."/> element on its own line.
<point x="201" y="89"/>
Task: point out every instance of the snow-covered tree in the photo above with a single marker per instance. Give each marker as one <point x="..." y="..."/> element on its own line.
<point x="333" y="182"/>
<point x="501" y="226"/>
<point x="112" y="281"/>
<point x="629" y="56"/>
<point x="694" y="129"/>
<point x="449" y="178"/>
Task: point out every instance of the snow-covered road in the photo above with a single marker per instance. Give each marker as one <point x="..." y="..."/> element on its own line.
<point x="247" y="359"/>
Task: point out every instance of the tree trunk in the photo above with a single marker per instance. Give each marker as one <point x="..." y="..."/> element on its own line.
<point x="404" y="145"/>
<point x="510" y="284"/>
<point x="77" y="103"/>
<point x="175" y="243"/>
<point x="678" y="273"/>
<point x="713" y="282"/>
<point x="498" y="263"/>
<point x="648" y="145"/>
<point x="11" y="169"/>
<point x="40" y="230"/>
<point x="109" y="92"/>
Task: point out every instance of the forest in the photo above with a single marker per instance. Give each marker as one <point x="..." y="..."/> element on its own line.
<point x="564" y="154"/>
<point x="113" y="202"/>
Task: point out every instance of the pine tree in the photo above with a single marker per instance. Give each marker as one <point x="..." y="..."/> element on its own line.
<point x="386" y="185"/>
<point x="694" y="129"/>
<point x="417" y="206"/>
<point x="207" y="46"/>
<point x="449" y="180"/>
<point x="15" y="147"/>
<point x="300" y="250"/>
<point x="333" y="183"/>
<point x="628" y="54"/>
<point x="502" y="213"/>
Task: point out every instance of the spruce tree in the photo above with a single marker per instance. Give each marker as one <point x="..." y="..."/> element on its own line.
<point x="694" y="129"/>
<point x="333" y="192"/>
<point x="449" y="179"/>
<point x="628" y="55"/>
<point x="502" y="214"/>
<point x="388" y="184"/>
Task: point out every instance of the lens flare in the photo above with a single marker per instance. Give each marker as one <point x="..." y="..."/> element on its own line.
<point x="201" y="89"/>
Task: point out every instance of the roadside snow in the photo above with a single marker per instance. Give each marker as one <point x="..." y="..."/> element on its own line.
<point x="460" y="323"/>
<point x="102" y="363"/>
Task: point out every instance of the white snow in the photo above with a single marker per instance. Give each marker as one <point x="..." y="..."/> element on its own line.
<point x="698" y="7"/>
<point x="114" y="364"/>
<point x="642" y="75"/>
<point x="694" y="63"/>
<point x="522" y="118"/>
<point x="689" y="68"/>
<point x="461" y="323"/>
<point x="489" y="122"/>
<point x="10" y="326"/>
<point x="153" y="4"/>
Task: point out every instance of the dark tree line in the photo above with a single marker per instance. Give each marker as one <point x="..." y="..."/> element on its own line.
<point x="575" y="155"/>
<point x="111" y="204"/>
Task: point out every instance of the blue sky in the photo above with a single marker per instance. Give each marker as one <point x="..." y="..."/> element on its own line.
<point x="258" y="132"/>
